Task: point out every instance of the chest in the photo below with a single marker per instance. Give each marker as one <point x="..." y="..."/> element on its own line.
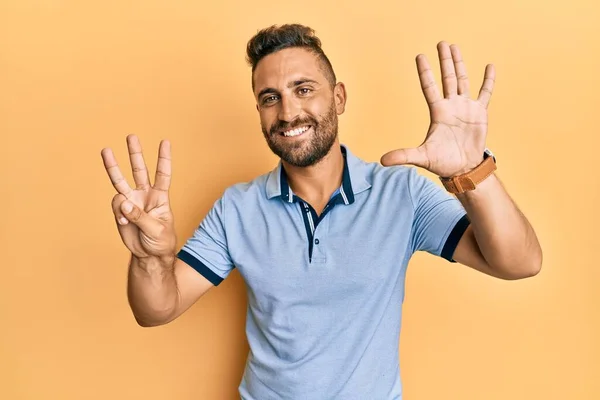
<point x="349" y="252"/>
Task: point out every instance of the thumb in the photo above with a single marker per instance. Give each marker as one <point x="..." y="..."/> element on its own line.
<point x="140" y="218"/>
<point x="415" y="156"/>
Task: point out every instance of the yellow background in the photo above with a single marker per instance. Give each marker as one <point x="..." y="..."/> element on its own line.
<point x="76" y="76"/>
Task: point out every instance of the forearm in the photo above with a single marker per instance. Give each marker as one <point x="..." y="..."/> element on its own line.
<point x="152" y="290"/>
<point x="505" y="238"/>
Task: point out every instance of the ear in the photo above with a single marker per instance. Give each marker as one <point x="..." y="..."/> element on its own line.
<point x="339" y="94"/>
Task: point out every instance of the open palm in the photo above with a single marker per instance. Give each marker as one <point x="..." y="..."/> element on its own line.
<point x="455" y="140"/>
<point x="147" y="229"/>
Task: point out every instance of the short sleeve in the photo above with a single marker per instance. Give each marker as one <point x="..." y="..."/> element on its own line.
<point x="440" y="219"/>
<point x="206" y="250"/>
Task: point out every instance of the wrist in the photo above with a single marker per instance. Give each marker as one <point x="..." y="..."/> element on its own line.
<point x="469" y="179"/>
<point x="153" y="264"/>
<point x="466" y="169"/>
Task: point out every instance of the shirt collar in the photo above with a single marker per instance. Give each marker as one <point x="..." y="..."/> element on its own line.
<point x="354" y="179"/>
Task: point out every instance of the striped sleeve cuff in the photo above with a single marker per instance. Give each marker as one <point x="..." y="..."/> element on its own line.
<point x="200" y="267"/>
<point x="454" y="237"/>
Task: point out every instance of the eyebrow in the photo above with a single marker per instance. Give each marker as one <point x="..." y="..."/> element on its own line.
<point x="292" y="84"/>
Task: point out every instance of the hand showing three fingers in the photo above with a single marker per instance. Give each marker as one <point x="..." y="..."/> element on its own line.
<point x="143" y="213"/>
<point x="455" y="140"/>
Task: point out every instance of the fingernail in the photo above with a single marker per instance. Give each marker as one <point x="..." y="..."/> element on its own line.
<point x="127" y="207"/>
<point x="123" y="221"/>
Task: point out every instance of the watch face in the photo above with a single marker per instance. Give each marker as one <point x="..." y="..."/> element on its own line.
<point x="488" y="153"/>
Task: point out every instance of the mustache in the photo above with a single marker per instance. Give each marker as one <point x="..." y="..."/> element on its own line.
<point x="284" y="126"/>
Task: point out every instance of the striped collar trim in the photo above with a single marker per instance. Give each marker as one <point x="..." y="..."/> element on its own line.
<point x="353" y="180"/>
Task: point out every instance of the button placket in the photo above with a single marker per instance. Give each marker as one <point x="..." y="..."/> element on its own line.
<point x="320" y="240"/>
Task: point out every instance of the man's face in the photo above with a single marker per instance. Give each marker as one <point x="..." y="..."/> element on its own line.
<point x="297" y="106"/>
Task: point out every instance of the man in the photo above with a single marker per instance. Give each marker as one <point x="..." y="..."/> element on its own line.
<point x="323" y="240"/>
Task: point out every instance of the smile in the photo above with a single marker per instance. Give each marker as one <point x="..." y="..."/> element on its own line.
<point x="296" y="132"/>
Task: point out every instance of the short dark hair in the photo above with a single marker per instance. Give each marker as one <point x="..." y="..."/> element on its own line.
<point x="274" y="38"/>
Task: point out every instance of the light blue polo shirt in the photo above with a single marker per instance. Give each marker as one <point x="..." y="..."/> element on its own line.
<point x="325" y="292"/>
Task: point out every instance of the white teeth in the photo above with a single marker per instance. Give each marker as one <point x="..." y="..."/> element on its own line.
<point x="295" y="132"/>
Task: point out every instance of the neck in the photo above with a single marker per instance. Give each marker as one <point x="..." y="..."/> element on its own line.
<point x="319" y="181"/>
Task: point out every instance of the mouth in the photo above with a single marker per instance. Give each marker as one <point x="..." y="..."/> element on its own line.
<point x="296" y="131"/>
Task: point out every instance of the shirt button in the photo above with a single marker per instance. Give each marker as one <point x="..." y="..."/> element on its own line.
<point x="316" y="241"/>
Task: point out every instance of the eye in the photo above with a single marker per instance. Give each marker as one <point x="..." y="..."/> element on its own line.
<point x="304" y="91"/>
<point x="269" y="99"/>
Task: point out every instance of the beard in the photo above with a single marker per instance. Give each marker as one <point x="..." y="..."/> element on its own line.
<point x="308" y="151"/>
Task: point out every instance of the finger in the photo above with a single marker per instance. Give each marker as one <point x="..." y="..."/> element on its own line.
<point x="485" y="93"/>
<point x="447" y="67"/>
<point x="414" y="156"/>
<point x="138" y="166"/>
<point x="114" y="173"/>
<point x="461" y="71"/>
<point x="430" y="89"/>
<point x="140" y="218"/>
<point x="162" y="181"/>
<point x="116" y="206"/>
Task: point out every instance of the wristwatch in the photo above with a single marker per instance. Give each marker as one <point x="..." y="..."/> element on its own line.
<point x="469" y="180"/>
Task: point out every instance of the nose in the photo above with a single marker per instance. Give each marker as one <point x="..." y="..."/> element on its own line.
<point x="289" y="108"/>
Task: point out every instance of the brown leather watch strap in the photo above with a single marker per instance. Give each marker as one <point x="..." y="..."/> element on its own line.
<point x="470" y="180"/>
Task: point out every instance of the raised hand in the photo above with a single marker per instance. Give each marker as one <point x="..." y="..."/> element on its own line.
<point x="455" y="140"/>
<point x="143" y="215"/>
